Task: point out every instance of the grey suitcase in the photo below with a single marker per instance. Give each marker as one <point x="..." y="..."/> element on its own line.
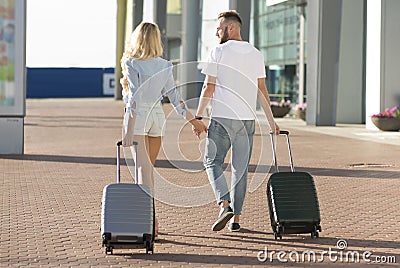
<point x="127" y="216"/>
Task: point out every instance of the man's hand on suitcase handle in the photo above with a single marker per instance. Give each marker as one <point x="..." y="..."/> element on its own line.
<point x="281" y="132"/>
<point x="277" y="130"/>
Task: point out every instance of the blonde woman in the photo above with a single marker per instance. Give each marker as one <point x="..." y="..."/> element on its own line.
<point x="146" y="79"/>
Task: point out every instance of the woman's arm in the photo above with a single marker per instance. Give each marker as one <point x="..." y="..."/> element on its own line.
<point x="180" y="107"/>
<point x="131" y="76"/>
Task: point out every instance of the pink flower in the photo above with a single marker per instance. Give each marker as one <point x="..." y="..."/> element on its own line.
<point x="301" y="107"/>
<point x="389" y="113"/>
<point x="282" y="103"/>
<point x="274" y="103"/>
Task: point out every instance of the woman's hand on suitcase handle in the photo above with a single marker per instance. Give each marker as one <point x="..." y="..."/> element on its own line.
<point x="127" y="140"/>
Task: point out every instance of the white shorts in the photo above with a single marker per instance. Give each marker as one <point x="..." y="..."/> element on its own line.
<point x="150" y="120"/>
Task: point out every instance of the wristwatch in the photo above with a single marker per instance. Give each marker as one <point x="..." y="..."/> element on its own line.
<point x="198" y="117"/>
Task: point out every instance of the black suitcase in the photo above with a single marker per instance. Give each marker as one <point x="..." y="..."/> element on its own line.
<point x="292" y="200"/>
<point x="127" y="216"/>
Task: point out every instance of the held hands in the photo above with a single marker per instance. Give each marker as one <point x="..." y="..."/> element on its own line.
<point x="198" y="127"/>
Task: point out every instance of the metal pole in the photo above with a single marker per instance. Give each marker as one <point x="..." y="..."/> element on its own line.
<point x="118" y="163"/>
<point x="161" y="20"/>
<point x="301" y="57"/>
<point x="188" y="73"/>
<point x="274" y="151"/>
<point x="290" y="153"/>
<point x="121" y="20"/>
<point x="137" y="13"/>
<point x="244" y="10"/>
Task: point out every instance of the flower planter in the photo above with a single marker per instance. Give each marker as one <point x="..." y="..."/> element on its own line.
<point x="280" y="111"/>
<point x="301" y="114"/>
<point x="386" y="123"/>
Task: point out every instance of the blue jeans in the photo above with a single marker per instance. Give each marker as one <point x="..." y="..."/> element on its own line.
<point x="222" y="134"/>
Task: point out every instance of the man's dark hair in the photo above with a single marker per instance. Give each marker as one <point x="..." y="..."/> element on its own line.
<point x="231" y="15"/>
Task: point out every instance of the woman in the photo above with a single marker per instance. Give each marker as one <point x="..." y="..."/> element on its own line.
<point x="146" y="79"/>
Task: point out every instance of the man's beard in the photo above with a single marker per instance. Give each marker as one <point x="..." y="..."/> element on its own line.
<point x="225" y="36"/>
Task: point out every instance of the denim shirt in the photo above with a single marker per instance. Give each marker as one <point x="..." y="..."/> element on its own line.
<point x="149" y="80"/>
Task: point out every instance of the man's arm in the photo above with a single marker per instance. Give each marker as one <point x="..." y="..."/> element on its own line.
<point x="263" y="99"/>
<point x="207" y="93"/>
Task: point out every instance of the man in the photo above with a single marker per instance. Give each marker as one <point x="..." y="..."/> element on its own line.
<point x="235" y="76"/>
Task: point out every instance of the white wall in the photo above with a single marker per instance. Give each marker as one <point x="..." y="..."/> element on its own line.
<point x="373" y="61"/>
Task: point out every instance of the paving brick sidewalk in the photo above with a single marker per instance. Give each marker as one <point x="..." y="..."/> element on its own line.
<point x="51" y="197"/>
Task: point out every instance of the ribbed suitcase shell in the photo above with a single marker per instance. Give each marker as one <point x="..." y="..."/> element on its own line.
<point x="127" y="213"/>
<point x="293" y="203"/>
<point x="292" y="199"/>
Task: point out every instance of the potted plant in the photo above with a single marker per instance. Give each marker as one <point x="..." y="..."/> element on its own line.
<point x="301" y="111"/>
<point x="280" y="109"/>
<point x="389" y="120"/>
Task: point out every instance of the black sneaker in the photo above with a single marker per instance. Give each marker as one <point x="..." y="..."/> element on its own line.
<point x="223" y="219"/>
<point x="234" y="227"/>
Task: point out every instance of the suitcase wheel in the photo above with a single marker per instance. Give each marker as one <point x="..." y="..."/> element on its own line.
<point x="149" y="243"/>
<point x="315" y="234"/>
<point x="149" y="247"/>
<point x="277" y="235"/>
<point x="106" y="238"/>
<point x="278" y="231"/>
<point x="109" y="249"/>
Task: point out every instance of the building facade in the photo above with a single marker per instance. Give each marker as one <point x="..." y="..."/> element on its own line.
<point x="277" y="34"/>
<point x="316" y="51"/>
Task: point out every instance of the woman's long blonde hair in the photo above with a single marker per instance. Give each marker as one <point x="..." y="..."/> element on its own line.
<point x="144" y="43"/>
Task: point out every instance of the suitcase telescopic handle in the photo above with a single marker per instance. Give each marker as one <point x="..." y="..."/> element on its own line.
<point x="286" y="133"/>
<point x="119" y="144"/>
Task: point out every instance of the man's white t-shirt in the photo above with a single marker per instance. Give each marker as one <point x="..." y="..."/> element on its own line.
<point x="236" y="65"/>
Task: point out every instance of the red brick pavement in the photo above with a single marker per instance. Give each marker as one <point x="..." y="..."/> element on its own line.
<point x="51" y="197"/>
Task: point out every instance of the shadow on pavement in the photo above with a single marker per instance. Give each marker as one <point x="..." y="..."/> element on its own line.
<point x="194" y="165"/>
<point x="64" y="159"/>
<point x="247" y="235"/>
<point x="176" y="258"/>
<point x="235" y="241"/>
<point x="350" y="172"/>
